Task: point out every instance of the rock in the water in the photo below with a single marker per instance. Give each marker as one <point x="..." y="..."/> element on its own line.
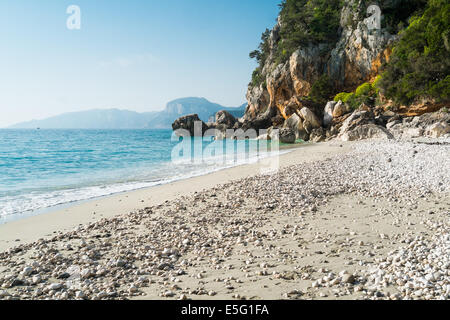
<point x="295" y="123"/>
<point x="192" y="124"/>
<point x="225" y="120"/>
<point x="287" y="135"/>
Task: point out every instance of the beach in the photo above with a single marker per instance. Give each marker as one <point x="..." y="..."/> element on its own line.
<point x="360" y="220"/>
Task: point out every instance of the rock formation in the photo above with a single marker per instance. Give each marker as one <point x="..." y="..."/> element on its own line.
<point x="190" y="123"/>
<point x="354" y="59"/>
<point x="281" y="98"/>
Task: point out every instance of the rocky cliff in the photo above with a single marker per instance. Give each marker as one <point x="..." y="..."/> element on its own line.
<point x="284" y="94"/>
<point x="354" y="59"/>
<point x="321" y="50"/>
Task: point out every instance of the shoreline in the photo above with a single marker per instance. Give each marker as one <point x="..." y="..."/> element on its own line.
<point x="365" y="220"/>
<point x="65" y="217"/>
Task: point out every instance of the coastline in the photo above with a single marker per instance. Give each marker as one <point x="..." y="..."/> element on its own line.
<point x="66" y="217"/>
<point x="338" y="221"/>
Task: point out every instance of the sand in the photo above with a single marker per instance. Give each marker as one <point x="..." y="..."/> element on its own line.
<point x="365" y="220"/>
<point x="59" y="220"/>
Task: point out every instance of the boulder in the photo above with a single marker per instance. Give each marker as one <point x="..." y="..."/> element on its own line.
<point x="328" y="113"/>
<point x="356" y="119"/>
<point x="295" y="123"/>
<point x="310" y="118"/>
<point x="303" y="135"/>
<point x="225" y="119"/>
<point x="367" y="131"/>
<point x="318" y="135"/>
<point x="287" y="135"/>
<point x="263" y="137"/>
<point x="340" y="109"/>
<point x="434" y="125"/>
<point x="438" y="129"/>
<point x="262" y="121"/>
<point x="190" y="123"/>
<point x="273" y="133"/>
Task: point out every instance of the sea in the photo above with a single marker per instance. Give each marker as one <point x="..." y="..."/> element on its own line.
<point x="42" y="169"/>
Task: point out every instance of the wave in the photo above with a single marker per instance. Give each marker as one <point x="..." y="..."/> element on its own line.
<point x="18" y="206"/>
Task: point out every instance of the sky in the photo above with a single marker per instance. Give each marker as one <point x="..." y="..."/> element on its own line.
<point x="135" y="54"/>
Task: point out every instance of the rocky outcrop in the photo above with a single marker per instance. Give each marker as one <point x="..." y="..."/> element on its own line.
<point x="287" y="135"/>
<point x="420" y="107"/>
<point x="192" y="124"/>
<point x="328" y="113"/>
<point x="355" y="58"/>
<point x="340" y="109"/>
<point x="224" y="120"/>
<point x="438" y="130"/>
<point x="366" y="131"/>
<point x="280" y="100"/>
<point x="435" y="125"/>
<point x="310" y="119"/>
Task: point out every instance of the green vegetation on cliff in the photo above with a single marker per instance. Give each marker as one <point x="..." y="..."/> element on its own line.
<point x="322" y="90"/>
<point x="303" y="22"/>
<point x="365" y="93"/>
<point x="420" y="64"/>
<point x="307" y="21"/>
<point x="261" y="56"/>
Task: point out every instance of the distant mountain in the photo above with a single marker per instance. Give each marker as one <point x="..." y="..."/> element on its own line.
<point x="124" y="119"/>
<point x="92" y="119"/>
<point x="205" y="109"/>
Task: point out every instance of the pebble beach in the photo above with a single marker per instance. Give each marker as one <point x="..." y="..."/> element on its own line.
<point x="370" y="222"/>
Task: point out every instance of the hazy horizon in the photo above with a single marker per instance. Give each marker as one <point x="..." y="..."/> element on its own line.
<point x="133" y="56"/>
<point x="108" y="109"/>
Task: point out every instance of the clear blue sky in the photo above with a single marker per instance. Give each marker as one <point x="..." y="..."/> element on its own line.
<point x="134" y="54"/>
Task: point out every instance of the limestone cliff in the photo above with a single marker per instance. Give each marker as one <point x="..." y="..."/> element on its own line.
<point x="330" y="49"/>
<point x="355" y="58"/>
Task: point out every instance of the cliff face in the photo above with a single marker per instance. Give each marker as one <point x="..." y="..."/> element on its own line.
<point x="329" y="49"/>
<point x="355" y="58"/>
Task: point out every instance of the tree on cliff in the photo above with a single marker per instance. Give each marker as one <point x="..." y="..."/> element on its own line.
<point x="420" y="64"/>
<point x="302" y="22"/>
<point x="307" y="21"/>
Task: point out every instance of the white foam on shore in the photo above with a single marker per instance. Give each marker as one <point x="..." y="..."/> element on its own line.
<point x="17" y="207"/>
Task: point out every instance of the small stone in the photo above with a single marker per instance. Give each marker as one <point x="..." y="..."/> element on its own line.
<point x="133" y="289"/>
<point x="168" y="294"/>
<point x="55" y="286"/>
<point x="27" y="271"/>
<point x="348" y="278"/>
<point x="36" y="279"/>
<point x="64" y="275"/>
<point x="3" y="294"/>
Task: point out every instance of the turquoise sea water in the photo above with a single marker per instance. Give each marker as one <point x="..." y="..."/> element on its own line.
<point x="44" y="168"/>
